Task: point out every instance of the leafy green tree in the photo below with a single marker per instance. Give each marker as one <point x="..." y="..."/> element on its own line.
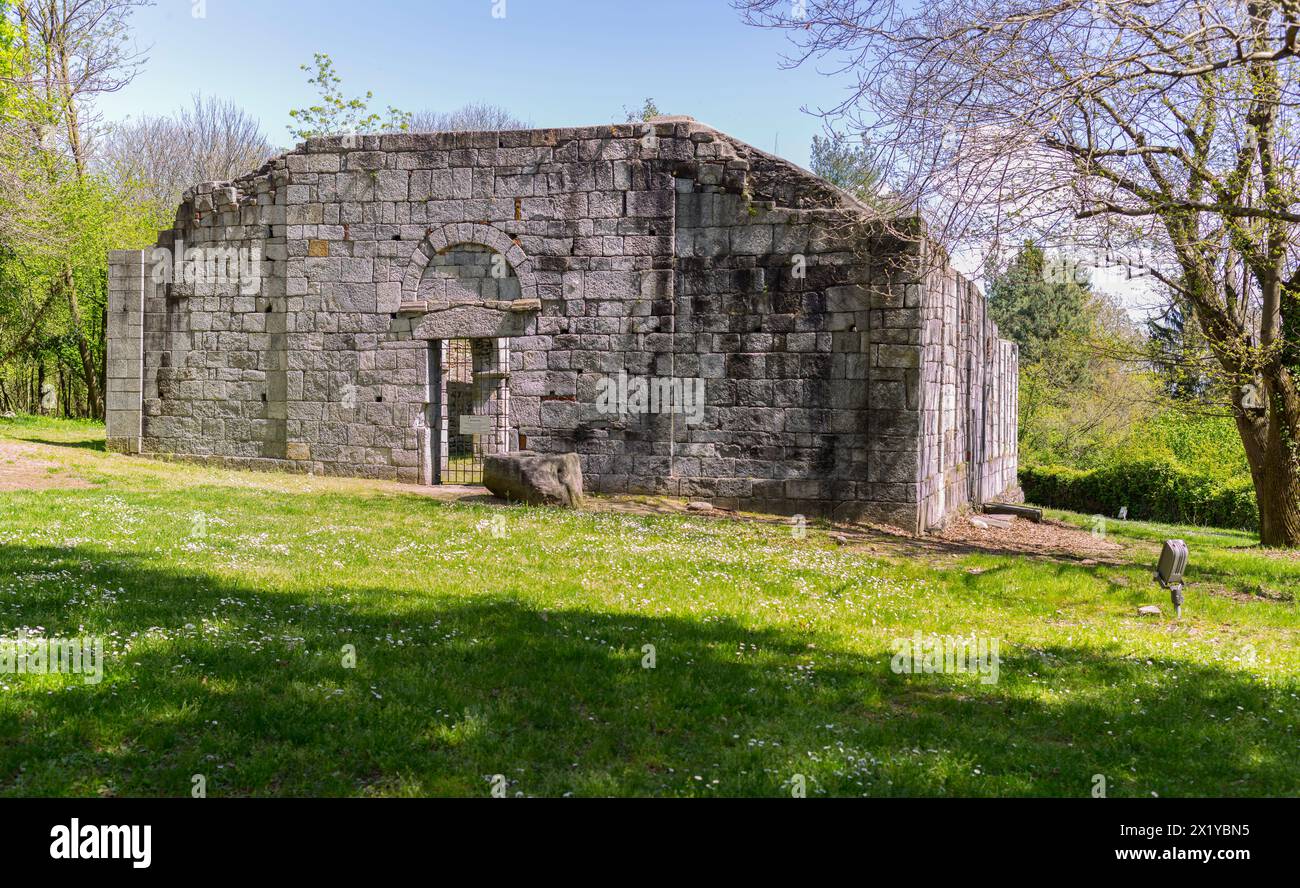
<point x="1045" y="313"/>
<point x="1080" y="389"/>
<point x="337" y="115"/>
<point x="648" y="110"/>
<point x="10" y="61"/>
<point x="1177" y="349"/>
<point x="849" y="166"/>
<point x="58" y="218"/>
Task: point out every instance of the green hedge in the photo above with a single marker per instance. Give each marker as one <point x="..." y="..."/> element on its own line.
<point x="1154" y="489"/>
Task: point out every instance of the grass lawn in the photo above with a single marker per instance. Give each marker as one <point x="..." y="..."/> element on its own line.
<point x="507" y="640"/>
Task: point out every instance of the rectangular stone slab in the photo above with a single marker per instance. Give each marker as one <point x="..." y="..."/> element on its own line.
<point x="470" y="322"/>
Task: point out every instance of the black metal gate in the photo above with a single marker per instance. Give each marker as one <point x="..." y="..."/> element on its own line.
<point x="473" y="406"/>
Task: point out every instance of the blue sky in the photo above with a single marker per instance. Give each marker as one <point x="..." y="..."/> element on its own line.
<point x="550" y="62"/>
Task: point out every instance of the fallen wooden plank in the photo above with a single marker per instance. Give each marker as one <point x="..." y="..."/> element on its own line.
<point x="1034" y="515"/>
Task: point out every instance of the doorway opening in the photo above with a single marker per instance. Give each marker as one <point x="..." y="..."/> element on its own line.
<point x="471" y="406"/>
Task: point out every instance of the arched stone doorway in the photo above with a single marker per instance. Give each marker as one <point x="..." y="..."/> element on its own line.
<point x="470" y="303"/>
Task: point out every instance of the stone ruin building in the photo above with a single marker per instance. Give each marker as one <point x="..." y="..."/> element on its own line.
<point x="397" y="306"/>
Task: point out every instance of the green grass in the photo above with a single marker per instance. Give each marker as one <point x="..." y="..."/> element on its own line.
<point x="45" y="430"/>
<point x="463" y="469"/>
<point x="515" y="648"/>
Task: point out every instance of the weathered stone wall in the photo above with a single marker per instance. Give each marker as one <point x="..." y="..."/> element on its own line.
<point x="813" y="374"/>
<point x="666" y="250"/>
<point x="969" y="448"/>
<point x="215" y="349"/>
<point x="124" y="377"/>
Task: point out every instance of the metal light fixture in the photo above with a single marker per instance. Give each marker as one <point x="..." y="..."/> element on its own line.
<point x="1169" y="571"/>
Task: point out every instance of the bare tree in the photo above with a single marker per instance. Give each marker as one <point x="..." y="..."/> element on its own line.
<point x="1167" y="125"/>
<point x="211" y="140"/>
<point x="474" y="117"/>
<point x="148" y="157"/>
<point x="80" y="49"/>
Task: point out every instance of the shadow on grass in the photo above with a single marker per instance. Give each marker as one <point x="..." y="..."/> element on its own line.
<point x="92" y="444"/>
<point x="903" y="545"/>
<point x="249" y="689"/>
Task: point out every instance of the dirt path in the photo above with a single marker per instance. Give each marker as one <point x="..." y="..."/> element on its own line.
<point x="22" y="469"/>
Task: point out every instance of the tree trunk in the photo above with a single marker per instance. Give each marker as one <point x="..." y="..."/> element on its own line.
<point x="88" y="368"/>
<point x="1269" y="436"/>
<point x="1277" y="490"/>
<point x="26" y="337"/>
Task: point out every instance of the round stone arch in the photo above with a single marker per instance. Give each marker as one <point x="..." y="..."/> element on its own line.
<point x="471" y="234"/>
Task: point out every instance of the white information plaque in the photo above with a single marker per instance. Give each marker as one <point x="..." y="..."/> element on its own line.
<point x="475" y="425"/>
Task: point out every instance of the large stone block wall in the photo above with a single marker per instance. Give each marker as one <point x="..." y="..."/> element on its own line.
<point x="124" y="376"/>
<point x="969" y="449"/>
<point x="805" y="326"/>
<point x="659" y="250"/>
<point x="215" y="346"/>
